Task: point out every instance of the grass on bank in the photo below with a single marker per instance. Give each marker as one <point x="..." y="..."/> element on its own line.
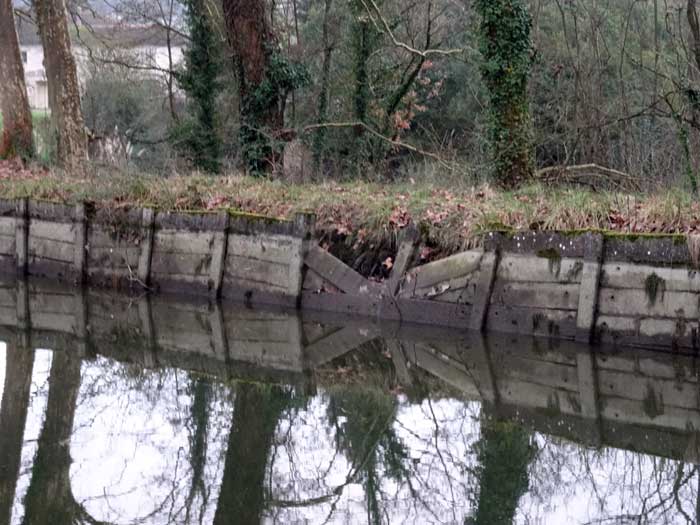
<point x="453" y="215"/>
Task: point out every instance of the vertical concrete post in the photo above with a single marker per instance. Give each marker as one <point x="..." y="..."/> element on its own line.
<point x="22" y="236"/>
<point x="488" y="270"/>
<point x="590" y="284"/>
<point x="148" y="227"/>
<point x="588" y="390"/>
<point x="218" y="333"/>
<point x="476" y="357"/>
<point x="80" y="243"/>
<point x="406" y="254"/>
<point x="218" y="257"/>
<point x="23" y="314"/>
<point x="401" y="365"/>
<point x="148" y="331"/>
<point x="305" y="227"/>
<point x="81" y="321"/>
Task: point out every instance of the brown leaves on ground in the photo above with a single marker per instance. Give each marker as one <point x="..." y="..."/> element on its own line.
<point x="15" y="169"/>
<point x="453" y="218"/>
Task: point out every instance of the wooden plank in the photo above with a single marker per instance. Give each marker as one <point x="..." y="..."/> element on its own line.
<point x="554" y="375"/>
<point x="8" y="226"/>
<point x="287" y="356"/>
<point x="626" y="275"/>
<point x="648" y="364"/>
<point x="503" y="348"/>
<point x="265" y="273"/>
<point x="453" y="375"/>
<point x="618" y="302"/>
<point x="405" y="255"/>
<point x="60" y="232"/>
<point x="172" y="241"/>
<point x="683" y="394"/>
<point x="54" y="250"/>
<point x="531" y="395"/>
<point x="56" y="303"/>
<point x="118" y="257"/>
<point x="435" y="273"/>
<point x="639" y="413"/>
<point x="483" y="291"/>
<point x="337" y="344"/>
<point x="259" y="330"/>
<point x="189" y="341"/>
<point x="7" y="245"/>
<point x="273" y="248"/>
<point x="532" y="321"/>
<point x="537" y="295"/>
<point x="339" y="274"/>
<point x="194" y="264"/>
<point x="53" y="321"/>
<point x="458" y="290"/>
<point x="540" y="269"/>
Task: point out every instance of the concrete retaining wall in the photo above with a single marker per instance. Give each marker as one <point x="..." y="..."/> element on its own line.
<point x="589" y="287"/>
<point x="243" y="257"/>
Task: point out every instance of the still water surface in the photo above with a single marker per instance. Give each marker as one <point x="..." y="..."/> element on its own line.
<point x="157" y="412"/>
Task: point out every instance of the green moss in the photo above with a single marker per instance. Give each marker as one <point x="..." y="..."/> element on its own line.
<point x="653" y="285"/>
<point x="678" y="239"/>
<point x="257" y="217"/>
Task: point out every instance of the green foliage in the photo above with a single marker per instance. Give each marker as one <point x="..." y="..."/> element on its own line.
<point x="198" y="133"/>
<point x="265" y="105"/>
<point x="504" y="452"/>
<point x="504" y="42"/>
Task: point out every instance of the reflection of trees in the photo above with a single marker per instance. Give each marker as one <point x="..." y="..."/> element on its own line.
<point x="49" y="499"/>
<point x="19" y="363"/>
<point x="504" y="452"/>
<point x="364" y="431"/>
<point x="256" y="412"/>
<point x="201" y="395"/>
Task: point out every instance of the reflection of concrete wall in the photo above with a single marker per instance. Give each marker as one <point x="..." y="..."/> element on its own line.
<point x="640" y="400"/>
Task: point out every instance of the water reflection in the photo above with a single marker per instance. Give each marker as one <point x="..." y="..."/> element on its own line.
<point x="149" y="411"/>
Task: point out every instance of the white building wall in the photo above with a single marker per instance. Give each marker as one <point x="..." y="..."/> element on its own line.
<point x="35" y="75"/>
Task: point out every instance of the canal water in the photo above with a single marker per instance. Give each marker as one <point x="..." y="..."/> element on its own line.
<point x="130" y="411"/>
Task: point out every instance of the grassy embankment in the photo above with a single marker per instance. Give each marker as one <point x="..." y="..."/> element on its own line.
<point x="452" y="214"/>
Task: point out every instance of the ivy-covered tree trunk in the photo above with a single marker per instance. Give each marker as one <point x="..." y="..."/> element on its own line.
<point x="64" y="90"/>
<point x="320" y="137"/>
<point x="16" y="136"/>
<point x="507" y="57"/>
<point x="261" y="112"/>
<point x="200" y="81"/>
<point x="504" y="452"/>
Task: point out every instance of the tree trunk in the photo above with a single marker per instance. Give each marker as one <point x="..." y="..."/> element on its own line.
<point x="14" y="104"/>
<point x="693" y="134"/>
<point x="13" y="416"/>
<point x="504" y="452"/>
<point x="261" y="111"/>
<point x="320" y="138"/>
<point x="256" y="412"/>
<point x="504" y="34"/>
<point x="64" y="89"/>
<point x="49" y="499"/>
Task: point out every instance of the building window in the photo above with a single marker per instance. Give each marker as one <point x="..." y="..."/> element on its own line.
<point x="24" y="57"/>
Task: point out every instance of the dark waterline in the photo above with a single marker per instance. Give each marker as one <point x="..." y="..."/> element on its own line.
<point x="122" y="410"/>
